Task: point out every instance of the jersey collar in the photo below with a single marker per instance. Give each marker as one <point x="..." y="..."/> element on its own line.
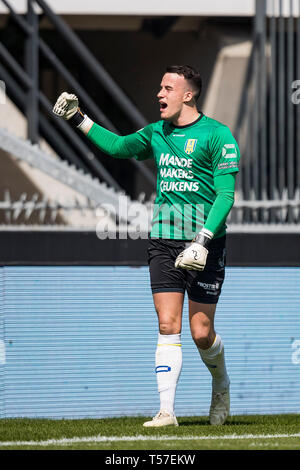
<point x="190" y="124"/>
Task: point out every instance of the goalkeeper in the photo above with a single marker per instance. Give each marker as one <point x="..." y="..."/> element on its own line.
<point x="197" y="161"/>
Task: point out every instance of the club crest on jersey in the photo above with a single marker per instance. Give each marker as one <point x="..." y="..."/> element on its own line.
<point x="190" y="145"/>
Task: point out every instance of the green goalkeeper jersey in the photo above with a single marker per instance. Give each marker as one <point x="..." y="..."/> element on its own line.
<point x="187" y="160"/>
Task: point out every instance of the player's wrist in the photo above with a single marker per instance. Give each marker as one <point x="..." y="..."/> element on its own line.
<point x="81" y="121"/>
<point x="204" y="237"/>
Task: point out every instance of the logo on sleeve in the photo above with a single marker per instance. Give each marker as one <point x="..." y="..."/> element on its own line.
<point x="229" y="151"/>
<point x="190" y="145"/>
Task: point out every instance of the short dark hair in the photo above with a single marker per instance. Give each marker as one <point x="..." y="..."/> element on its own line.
<point x="189" y="74"/>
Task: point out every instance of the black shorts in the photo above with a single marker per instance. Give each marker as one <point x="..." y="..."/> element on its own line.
<point x="201" y="286"/>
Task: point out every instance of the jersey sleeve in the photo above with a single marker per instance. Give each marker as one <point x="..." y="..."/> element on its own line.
<point x="224" y="187"/>
<point x="136" y="145"/>
<point x="224" y="152"/>
<point x="139" y="143"/>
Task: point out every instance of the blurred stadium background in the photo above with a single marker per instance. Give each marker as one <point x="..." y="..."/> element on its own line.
<point x="77" y="324"/>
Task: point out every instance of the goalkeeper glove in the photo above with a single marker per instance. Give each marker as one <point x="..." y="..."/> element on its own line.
<point x="194" y="257"/>
<point x="66" y="107"/>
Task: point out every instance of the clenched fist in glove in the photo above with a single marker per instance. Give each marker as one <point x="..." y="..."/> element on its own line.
<point x="194" y="257"/>
<point x="66" y="107"/>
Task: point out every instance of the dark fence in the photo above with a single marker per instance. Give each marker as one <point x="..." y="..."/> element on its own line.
<point x="270" y="113"/>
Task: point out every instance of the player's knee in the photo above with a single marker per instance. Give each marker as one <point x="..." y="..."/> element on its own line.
<point x="202" y="337"/>
<point x="169" y="327"/>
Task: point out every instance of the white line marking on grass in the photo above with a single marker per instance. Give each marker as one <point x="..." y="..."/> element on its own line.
<point x="75" y="440"/>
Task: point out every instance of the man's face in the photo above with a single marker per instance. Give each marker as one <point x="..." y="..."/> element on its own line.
<point x="174" y="91"/>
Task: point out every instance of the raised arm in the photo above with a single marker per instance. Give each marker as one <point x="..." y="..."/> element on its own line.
<point x="135" y="145"/>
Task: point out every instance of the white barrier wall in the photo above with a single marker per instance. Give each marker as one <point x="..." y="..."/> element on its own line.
<point x="138" y="7"/>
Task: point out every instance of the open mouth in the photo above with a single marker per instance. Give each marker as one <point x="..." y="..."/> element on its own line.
<point x="162" y="106"/>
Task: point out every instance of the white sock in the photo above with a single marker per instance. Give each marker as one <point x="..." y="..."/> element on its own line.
<point x="168" y="363"/>
<point x="214" y="359"/>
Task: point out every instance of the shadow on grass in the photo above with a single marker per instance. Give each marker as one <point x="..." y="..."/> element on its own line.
<point x="207" y="423"/>
<point x="193" y="423"/>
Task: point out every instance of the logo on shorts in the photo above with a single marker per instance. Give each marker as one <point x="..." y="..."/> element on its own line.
<point x="209" y="286"/>
<point x="190" y="145"/>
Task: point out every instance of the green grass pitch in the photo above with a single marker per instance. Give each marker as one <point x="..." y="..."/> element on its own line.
<point x="250" y="432"/>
